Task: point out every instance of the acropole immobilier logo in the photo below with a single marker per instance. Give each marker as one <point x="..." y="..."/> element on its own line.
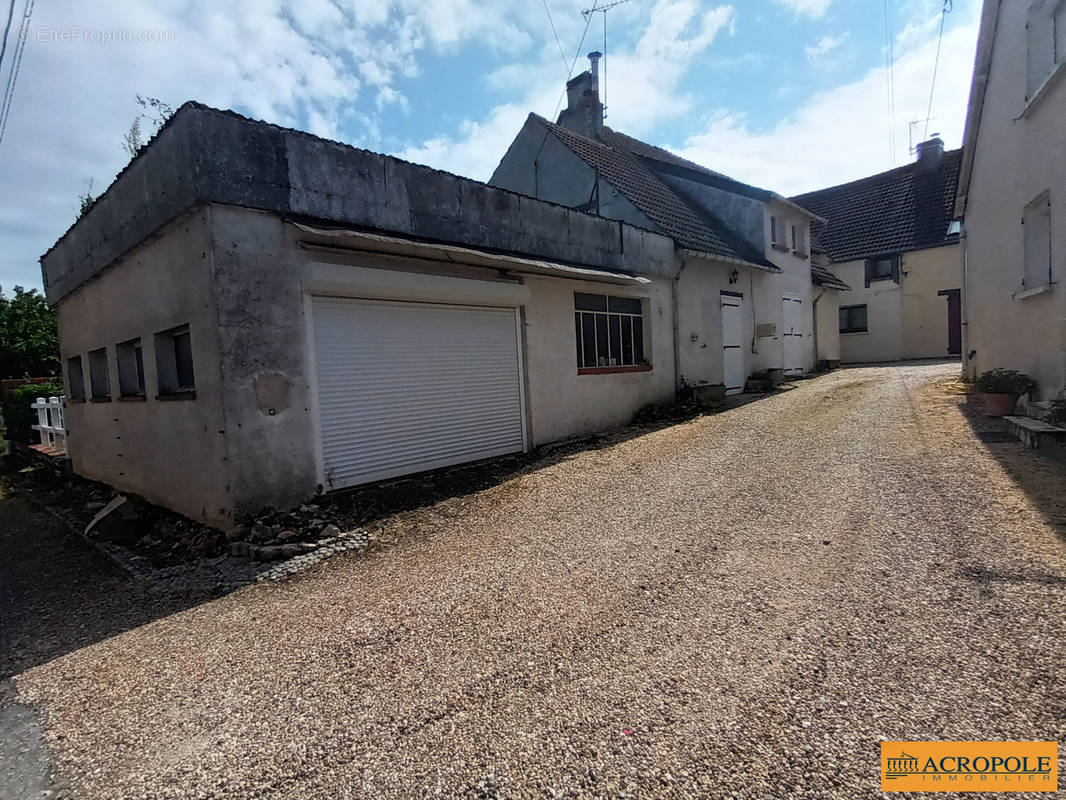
<point x="969" y="767"/>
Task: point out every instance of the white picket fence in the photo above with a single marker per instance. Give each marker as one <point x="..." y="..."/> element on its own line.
<point x="52" y="422"/>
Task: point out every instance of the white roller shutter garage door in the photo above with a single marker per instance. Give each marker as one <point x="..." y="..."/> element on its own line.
<point x="407" y="387"/>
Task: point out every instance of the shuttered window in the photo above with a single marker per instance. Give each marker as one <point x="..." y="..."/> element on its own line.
<point x="884" y="268"/>
<point x="1037" y="237"/>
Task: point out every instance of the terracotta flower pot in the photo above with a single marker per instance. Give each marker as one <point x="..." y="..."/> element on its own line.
<point x="998" y="405"/>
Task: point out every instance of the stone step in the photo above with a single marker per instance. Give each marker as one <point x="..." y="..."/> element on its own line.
<point x="1032" y="432"/>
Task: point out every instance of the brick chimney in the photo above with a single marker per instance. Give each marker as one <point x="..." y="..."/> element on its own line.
<point x="930" y="153"/>
<point x="584" y="111"/>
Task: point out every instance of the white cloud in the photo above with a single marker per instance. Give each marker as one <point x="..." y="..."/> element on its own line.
<point x="306" y="63"/>
<point x="812" y="8"/>
<point x="643" y="88"/>
<point x="824" y="46"/>
<point x="842" y="133"/>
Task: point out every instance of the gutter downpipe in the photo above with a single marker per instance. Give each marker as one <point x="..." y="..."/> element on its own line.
<point x="814" y="309"/>
<point x="963" y="316"/>
<point x="677" y="328"/>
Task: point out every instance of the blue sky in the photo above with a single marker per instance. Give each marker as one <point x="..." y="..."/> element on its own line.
<point x="787" y="94"/>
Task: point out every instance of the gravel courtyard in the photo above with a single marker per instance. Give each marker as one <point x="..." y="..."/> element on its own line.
<point x="746" y="603"/>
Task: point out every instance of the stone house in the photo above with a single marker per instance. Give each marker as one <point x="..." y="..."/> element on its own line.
<point x="891" y="238"/>
<point x="251" y="315"/>
<point x="746" y="297"/>
<point x="1012" y="195"/>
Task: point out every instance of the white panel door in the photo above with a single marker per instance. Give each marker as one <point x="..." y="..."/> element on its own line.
<point x="407" y="387"/>
<point x="792" y="333"/>
<point x="732" y="344"/>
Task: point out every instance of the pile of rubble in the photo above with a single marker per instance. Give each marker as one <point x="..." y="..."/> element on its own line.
<point x="276" y="535"/>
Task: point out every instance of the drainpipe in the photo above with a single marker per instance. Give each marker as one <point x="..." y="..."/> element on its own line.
<point x="814" y="306"/>
<point x="963" y="316"/>
<point x="677" y="329"/>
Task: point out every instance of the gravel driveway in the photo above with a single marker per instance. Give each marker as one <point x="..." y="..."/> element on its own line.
<point x="747" y="604"/>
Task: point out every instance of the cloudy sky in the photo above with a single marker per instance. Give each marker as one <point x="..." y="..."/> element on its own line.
<point x="787" y="94"/>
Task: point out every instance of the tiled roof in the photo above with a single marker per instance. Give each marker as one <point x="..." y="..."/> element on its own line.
<point x="691" y="226"/>
<point x="820" y="276"/>
<point x="907" y="208"/>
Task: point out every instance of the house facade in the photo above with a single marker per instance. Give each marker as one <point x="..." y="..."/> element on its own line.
<point x="1012" y="195"/>
<point x="746" y="297"/>
<point x="250" y="316"/>
<point x="890" y="237"/>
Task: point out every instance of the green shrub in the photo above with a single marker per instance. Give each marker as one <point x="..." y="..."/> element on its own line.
<point x="1005" y="381"/>
<point x="17" y="414"/>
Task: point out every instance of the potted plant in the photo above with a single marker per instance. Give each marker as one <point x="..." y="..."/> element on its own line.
<point x="1001" y="388"/>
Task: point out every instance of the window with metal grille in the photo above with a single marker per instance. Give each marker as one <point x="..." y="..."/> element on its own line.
<point x="853" y="319"/>
<point x="609" y="330"/>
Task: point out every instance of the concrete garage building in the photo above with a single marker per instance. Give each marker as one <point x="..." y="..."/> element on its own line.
<point x="251" y="315"/>
<point x="746" y="295"/>
<point x="890" y="237"/>
<point x="1012" y="194"/>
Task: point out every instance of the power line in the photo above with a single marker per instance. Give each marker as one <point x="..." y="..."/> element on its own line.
<point x="948" y="5"/>
<point x="20" y="48"/>
<point x="570" y="71"/>
<point x="890" y="64"/>
<point x="554" y="32"/>
<point x="7" y="30"/>
<point x="588" y="12"/>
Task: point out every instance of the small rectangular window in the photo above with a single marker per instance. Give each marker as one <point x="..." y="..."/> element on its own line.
<point x="885" y="268"/>
<point x="1037" y="237"/>
<point x="130" y="368"/>
<point x="75" y="379"/>
<point x="775" y="237"/>
<point x="99" y="384"/>
<point x="853" y="319"/>
<point x="609" y="331"/>
<point x="173" y="355"/>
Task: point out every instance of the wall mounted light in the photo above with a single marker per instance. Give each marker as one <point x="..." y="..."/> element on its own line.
<point x="734" y="276"/>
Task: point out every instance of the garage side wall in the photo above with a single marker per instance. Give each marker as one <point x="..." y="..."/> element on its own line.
<point x="170" y="451"/>
<point x="261" y="337"/>
<point x="560" y="402"/>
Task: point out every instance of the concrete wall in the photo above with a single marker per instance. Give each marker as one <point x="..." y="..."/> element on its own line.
<point x="1018" y="155"/>
<point x="562" y="403"/>
<point x="699" y="314"/>
<point x="206" y="156"/>
<point x="905" y="320"/>
<point x="883" y="339"/>
<point x="262" y="341"/>
<point x="172" y="452"/>
<point x="925" y="313"/>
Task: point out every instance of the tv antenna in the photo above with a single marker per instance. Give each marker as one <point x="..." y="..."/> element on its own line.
<point x="587" y="14"/>
<point x="912" y="147"/>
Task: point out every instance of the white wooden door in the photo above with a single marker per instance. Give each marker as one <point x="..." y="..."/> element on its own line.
<point x="733" y="343"/>
<point x="792" y="333"/>
<point x="408" y="387"/>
